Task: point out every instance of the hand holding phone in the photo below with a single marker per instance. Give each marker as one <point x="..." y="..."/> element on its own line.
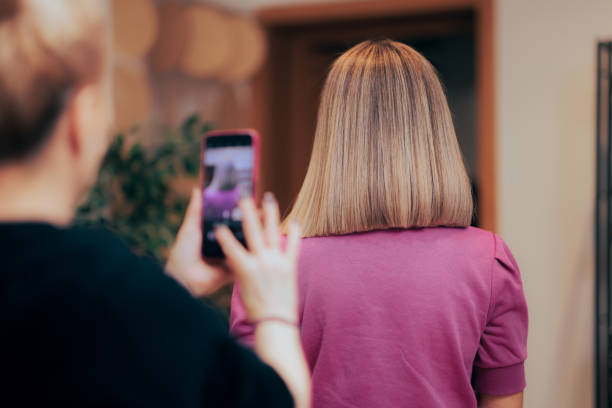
<point x="267" y="271"/>
<point x="185" y="261"/>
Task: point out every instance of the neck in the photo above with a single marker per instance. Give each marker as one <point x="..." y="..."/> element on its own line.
<point x="33" y="194"/>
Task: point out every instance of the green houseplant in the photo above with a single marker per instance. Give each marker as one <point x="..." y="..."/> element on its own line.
<point x="140" y="192"/>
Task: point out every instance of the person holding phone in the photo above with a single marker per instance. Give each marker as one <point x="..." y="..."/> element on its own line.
<point x="83" y="321"/>
<point x="402" y="303"/>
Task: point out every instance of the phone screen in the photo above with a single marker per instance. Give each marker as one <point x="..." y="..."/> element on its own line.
<point x="228" y="176"/>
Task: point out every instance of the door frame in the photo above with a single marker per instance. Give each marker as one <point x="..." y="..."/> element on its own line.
<point x="305" y="14"/>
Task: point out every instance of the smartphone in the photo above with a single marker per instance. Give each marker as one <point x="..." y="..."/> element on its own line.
<point x="229" y="172"/>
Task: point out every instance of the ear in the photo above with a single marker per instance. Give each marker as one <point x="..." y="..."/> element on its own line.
<point x="83" y="117"/>
<point x="75" y="129"/>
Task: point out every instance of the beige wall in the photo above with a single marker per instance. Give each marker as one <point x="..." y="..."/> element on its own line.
<point x="545" y="129"/>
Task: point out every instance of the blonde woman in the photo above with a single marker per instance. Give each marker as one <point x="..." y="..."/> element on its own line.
<point x="402" y="304"/>
<point x="85" y="322"/>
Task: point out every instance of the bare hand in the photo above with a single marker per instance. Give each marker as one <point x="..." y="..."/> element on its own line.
<point x="185" y="263"/>
<point x="267" y="274"/>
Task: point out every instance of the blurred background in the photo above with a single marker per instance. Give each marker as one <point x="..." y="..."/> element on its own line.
<point x="521" y="78"/>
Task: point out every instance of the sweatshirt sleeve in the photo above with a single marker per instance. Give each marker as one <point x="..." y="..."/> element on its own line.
<point x="156" y="334"/>
<point x="499" y="364"/>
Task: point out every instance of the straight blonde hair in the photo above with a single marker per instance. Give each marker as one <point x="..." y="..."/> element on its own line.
<point x="385" y="153"/>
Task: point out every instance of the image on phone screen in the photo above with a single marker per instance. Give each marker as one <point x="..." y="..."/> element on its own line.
<point x="228" y="176"/>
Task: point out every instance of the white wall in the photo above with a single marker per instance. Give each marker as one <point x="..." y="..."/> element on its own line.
<point x="545" y="129"/>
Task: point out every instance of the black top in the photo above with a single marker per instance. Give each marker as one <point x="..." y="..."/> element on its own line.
<point x="84" y="322"/>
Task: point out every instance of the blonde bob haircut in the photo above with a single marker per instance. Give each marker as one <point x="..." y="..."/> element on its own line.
<point x="385" y="153"/>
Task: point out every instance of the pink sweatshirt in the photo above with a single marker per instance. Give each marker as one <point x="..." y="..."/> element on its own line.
<point x="408" y="318"/>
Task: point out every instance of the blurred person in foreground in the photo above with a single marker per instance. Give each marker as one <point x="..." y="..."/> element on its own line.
<point x="402" y="303"/>
<point x="83" y="321"/>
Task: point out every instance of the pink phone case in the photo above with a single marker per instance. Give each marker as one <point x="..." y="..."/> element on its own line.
<point x="232" y="132"/>
<point x="254" y="135"/>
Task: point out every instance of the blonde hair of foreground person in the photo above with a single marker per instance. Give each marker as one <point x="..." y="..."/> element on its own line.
<point x="49" y="49"/>
<point x="385" y="153"/>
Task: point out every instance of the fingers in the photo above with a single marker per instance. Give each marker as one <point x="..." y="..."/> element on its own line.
<point x="203" y="279"/>
<point x="271" y="217"/>
<point x="293" y="240"/>
<point x="212" y="279"/>
<point x="232" y="248"/>
<point x="251" y="225"/>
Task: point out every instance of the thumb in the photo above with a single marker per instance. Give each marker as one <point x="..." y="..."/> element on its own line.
<point x="194" y="209"/>
<point x="193" y="212"/>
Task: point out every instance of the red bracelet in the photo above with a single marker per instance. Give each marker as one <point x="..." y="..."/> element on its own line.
<point x="275" y="319"/>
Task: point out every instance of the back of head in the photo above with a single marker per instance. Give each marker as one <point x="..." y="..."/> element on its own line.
<point x="47" y="49"/>
<point x="385" y="153"/>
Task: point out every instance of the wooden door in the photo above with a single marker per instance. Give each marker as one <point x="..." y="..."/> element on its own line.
<point x="301" y="52"/>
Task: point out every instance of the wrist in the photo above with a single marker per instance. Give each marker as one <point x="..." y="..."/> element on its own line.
<point x="287" y="321"/>
<point x="272" y="334"/>
<point x="171" y="270"/>
<point x="174" y="271"/>
<point x="273" y="312"/>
